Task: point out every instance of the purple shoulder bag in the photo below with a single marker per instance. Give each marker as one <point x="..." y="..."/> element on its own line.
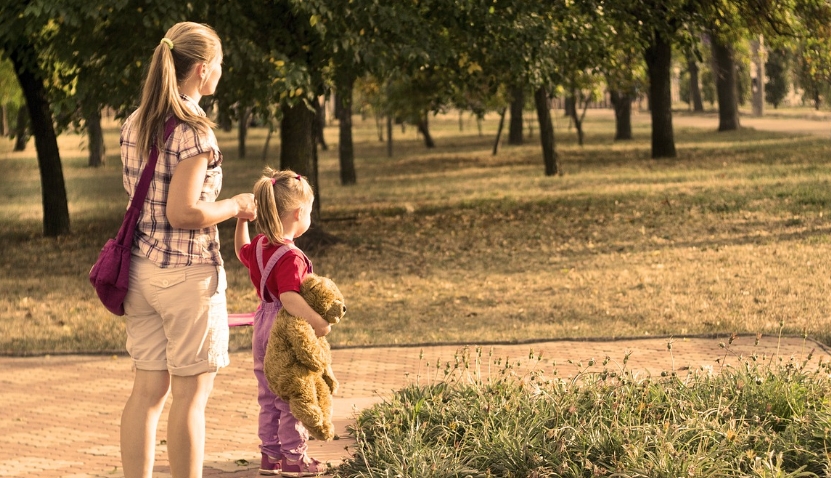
<point x="110" y="275"/>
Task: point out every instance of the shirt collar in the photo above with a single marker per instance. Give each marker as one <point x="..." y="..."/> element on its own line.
<point x="193" y="104"/>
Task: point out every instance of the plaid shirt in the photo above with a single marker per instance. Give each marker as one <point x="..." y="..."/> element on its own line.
<point x="155" y="238"/>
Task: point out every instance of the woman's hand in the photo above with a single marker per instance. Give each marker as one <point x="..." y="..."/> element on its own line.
<point x="246" y="209"/>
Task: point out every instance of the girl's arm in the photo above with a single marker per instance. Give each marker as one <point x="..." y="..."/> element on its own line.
<point x="241" y="236"/>
<point x="296" y="305"/>
<point x="186" y="211"/>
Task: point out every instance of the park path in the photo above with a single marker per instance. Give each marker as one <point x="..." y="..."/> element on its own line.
<point x="60" y="414"/>
<point x="818" y="124"/>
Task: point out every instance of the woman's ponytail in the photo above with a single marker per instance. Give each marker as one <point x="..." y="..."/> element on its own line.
<point x="183" y="46"/>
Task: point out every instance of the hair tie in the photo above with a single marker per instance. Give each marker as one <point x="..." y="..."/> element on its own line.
<point x="168" y="42"/>
<point x="297" y="177"/>
<point x="273" y="181"/>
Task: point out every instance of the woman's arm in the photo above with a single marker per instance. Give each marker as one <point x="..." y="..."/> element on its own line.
<point x="296" y="305"/>
<point x="186" y="211"/>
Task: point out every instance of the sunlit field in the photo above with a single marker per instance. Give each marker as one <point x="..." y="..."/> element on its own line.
<point x="453" y="244"/>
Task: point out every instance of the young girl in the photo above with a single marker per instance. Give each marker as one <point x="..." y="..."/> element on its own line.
<point x="277" y="267"/>
<point x="176" y="320"/>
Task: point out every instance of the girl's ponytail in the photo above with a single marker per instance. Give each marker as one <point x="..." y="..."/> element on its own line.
<point x="277" y="193"/>
<point x="268" y="217"/>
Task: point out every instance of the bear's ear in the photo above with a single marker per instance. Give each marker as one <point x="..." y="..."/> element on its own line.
<point x="310" y="283"/>
<point x="312" y="279"/>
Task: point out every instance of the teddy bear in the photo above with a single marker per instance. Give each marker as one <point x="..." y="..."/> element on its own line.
<point x="298" y="365"/>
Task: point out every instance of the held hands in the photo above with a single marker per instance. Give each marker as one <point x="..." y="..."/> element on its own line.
<point x="245" y="207"/>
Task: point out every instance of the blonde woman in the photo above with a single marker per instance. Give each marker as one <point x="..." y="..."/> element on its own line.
<point x="176" y="317"/>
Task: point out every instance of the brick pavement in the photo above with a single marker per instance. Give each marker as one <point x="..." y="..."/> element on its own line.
<point x="60" y="414"/>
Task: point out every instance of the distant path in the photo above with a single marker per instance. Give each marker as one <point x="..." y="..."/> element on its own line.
<point x="819" y="126"/>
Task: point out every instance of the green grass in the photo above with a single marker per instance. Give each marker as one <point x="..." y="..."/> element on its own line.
<point x="456" y="245"/>
<point x="480" y="416"/>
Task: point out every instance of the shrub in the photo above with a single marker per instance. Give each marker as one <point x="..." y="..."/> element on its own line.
<point x="766" y="417"/>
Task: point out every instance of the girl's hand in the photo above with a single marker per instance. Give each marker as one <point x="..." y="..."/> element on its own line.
<point x="246" y="209"/>
<point x="320" y="326"/>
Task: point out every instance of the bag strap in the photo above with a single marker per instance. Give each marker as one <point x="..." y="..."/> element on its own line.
<point x="128" y="226"/>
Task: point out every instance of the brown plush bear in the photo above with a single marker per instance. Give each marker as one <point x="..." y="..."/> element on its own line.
<point x="298" y="365"/>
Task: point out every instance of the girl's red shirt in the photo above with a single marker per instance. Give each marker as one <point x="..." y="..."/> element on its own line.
<point x="287" y="274"/>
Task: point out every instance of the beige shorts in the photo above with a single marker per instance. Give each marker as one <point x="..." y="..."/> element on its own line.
<point x="177" y="318"/>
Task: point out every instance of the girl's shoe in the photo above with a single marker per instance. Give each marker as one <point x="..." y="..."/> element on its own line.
<point x="305" y="466"/>
<point x="270" y="466"/>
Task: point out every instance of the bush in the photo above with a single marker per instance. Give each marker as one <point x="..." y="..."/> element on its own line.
<point x="766" y="417"/>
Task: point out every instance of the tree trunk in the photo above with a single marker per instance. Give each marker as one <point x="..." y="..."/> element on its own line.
<point x="622" y="102"/>
<point x="658" y="58"/>
<point x="389" y="136"/>
<point x="758" y="54"/>
<point x="4" y="120"/>
<point x="424" y="128"/>
<point x="724" y="69"/>
<point x="568" y="106"/>
<point x="379" y="127"/>
<point x="242" y="128"/>
<point x="297" y="145"/>
<point x="298" y="152"/>
<point x="267" y="140"/>
<point x="21" y="130"/>
<point x="53" y="187"/>
<point x="224" y="119"/>
<point x="95" y="136"/>
<point x="320" y="117"/>
<point x="549" y="154"/>
<point x="695" y="87"/>
<point x="499" y="130"/>
<point x="515" y="126"/>
<point x="346" y="148"/>
<point x="577" y="119"/>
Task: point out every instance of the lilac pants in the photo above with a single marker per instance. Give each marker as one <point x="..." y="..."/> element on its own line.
<point x="280" y="433"/>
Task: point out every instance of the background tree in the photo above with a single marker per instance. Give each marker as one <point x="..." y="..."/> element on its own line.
<point x="724" y="71"/>
<point x="657" y="25"/>
<point x="777" y="68"/>
<point x="625" y="72"/>
<point x="515" y="124"/>
<point x="11" y="96"/>
<point x="25" y="32"/>
<point x="694" y="81"/>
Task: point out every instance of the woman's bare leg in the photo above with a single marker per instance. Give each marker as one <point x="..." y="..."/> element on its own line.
<point x="139" y="421"/>
<point x="186" y="424"/>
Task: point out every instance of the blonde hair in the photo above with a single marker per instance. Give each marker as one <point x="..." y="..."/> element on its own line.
<point x="192" y="43"/>
<point x="277" y="193"/>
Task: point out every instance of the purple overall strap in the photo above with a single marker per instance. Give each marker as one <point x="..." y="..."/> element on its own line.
<point x="266" y="271"/>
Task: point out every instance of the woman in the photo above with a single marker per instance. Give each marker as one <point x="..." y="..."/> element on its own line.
<point x="176" y="319"/>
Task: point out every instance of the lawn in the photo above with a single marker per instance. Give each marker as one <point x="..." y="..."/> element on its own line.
<point x="453" y="244"/>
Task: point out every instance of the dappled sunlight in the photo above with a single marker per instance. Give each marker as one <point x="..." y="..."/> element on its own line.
<point x="453" y="242"/>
